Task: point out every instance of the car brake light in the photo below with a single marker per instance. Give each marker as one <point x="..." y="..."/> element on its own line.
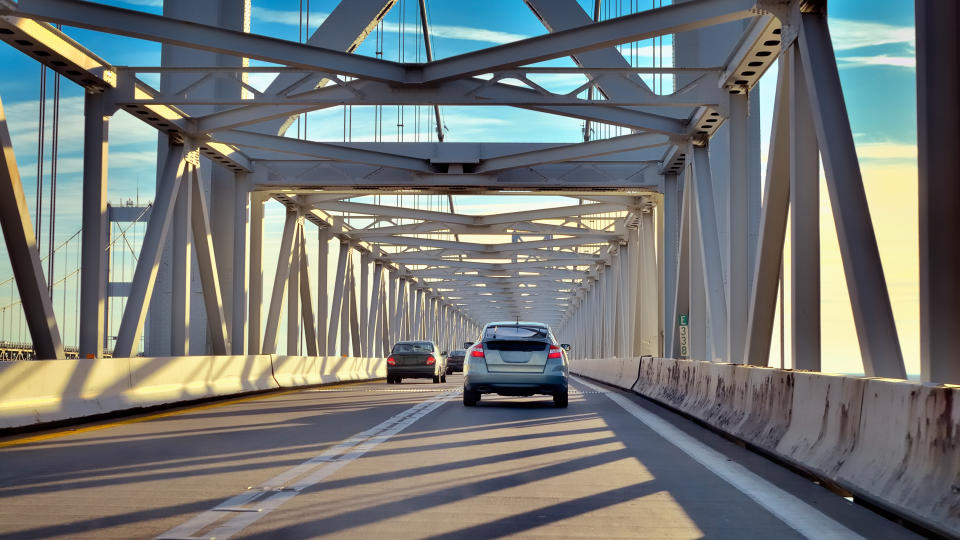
<point x="391" y="361"/>
<point x="555" y="352"/>
<point x="477" y="352"/>
<point x="431" y="361"/>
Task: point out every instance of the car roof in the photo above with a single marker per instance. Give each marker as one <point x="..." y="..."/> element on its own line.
<point x="516" y="323"/>
<point x="413" y="341"/>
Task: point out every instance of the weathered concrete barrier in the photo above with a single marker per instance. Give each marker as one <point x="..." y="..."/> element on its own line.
<point x="37" y="392"/>
<point x="292" y="371"/>
<point x="894" y="443"/>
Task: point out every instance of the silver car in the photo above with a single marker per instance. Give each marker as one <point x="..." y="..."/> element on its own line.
<point x="516" y="358"/>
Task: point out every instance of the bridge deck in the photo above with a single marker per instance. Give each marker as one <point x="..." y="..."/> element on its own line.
<point x="411" y="461"/>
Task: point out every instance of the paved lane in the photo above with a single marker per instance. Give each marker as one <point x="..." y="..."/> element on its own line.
<point x="409" y="461"/>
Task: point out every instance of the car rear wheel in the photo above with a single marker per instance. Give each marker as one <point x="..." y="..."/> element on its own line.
<point x="436" y="379"/>
<point x="443" y="378"/>
<point x="560" y="399"/>
<point x="470" y="397"/>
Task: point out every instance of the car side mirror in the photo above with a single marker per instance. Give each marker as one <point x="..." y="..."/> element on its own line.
<point x="565" y="346"/>
<point x="467" y="344"/>
<point x="444" y="353"/>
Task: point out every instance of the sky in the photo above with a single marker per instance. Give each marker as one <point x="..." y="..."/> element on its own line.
<point x="875" y="53"/>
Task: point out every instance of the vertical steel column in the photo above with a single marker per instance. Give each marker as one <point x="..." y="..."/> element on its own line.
<point x="372" y="316"/>
<point x="207" y="269"/>
<point x="337" y="303"/>
<point x="649" y="318"/>
<point x="697" y="332"/>
<point x="738" y="293"/>
<point x="255" y="308"/>
<point x="93" y="256"/>
<point x="21" y="244"/>
<point x="773" y="222"/>
<point x="938" y="141"/>
<point x="182" y="268"/>
<point x="280" y="280"/>
<point x="417" y="315"/>
<point x="293" y="291"/>
<point x="345" y="285"/>
<point x="355" y="341"/>
<point x="672" y="197"/>
<point x="306" y="299"/>
<point x="804" y="227"/>
<point x="869" y="298"/>
<point x="238" y="319"/>
<point x="323" y="285"/>
<point x="394" y="307"/>
<point x="710" y="251"/>
<point x="145" y="275"/>
<point x="365" y="300"/>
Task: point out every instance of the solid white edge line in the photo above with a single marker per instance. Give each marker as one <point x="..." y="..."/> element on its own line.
<point x="797" y="514"/>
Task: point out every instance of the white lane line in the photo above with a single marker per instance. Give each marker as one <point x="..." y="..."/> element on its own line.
<point x="797" y="514"/>
<point x="269" y="495"/>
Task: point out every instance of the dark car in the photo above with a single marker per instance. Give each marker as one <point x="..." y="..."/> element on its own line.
<point x="516" y="359"/>
<point x="416" y="360"/>
<point x="455" y="360"/>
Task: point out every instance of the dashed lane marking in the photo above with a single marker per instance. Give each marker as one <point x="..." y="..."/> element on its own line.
<point x="240" y="511"/>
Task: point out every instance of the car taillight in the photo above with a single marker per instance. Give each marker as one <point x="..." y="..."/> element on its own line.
<point x="431" y="361"/>
<point x="555" y="352"/>
<point x="477" y="352"/>
<point x="391" y="361"/>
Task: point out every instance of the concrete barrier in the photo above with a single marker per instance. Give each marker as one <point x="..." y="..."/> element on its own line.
<point x="163" y="380"/>
<point x="895" y="443"/>
<point x="37" y="392"/>
<point x="292" y="371"/>
<point x="907" y="452"/>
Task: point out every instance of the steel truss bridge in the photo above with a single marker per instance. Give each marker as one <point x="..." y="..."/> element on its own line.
<point x="662" y="270"/>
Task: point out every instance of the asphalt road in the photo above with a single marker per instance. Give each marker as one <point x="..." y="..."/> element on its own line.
<point x="410" y="461"/>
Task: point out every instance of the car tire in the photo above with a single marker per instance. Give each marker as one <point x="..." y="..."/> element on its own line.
<point x="389" y="379"/>
<point x="396" y="380"/>
<point x="470" y="398"/>
<point x="436" y="379"/>
<point x="443" y="378"/>
<point x="560" y="399"/>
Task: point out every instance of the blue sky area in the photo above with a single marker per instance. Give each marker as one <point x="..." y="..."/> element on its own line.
<point x="874" y="47"/>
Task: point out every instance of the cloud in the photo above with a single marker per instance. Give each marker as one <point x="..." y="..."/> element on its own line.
<point x="848" y="34"/>
<point x="467" y="33"/>
<point x="886" y="150"/>
<point x="878" y="60"/>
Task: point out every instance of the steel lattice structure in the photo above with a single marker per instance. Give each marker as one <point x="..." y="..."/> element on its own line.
<point x="647" y="235"/>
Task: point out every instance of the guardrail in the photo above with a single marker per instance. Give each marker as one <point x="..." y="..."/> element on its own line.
<point x="892" y="443"/>
<point x="46" y="391"/>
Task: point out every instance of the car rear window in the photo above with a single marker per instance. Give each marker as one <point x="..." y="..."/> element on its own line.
<point x="418" y="347"/>
<point x="515" y="332"/>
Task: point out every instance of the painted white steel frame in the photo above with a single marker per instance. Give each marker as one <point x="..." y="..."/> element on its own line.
<point x="627" y="265"/>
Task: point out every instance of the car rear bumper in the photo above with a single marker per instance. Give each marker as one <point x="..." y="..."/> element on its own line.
<point x="421" y="372"/>
<point x="455" y="366"/>
<point x="515" y="384"/>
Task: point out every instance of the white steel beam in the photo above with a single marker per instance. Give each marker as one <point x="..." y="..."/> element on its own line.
<point x="255" y="284"/>
<point x="137" y="24"/>
<point x="306" y="300"/>
<point x="938" y="138"/>
<point x="574" y="151"/>
<point x="93" y="258"/>
<point x="804" y="226"/>
<point x="280" y="281"/>
<point x="710" y="251"/>
<point x="321" y="150"/>
<point x="24" y="254"/>
<point x="773" y="223"/>
<point x="637" y="27"/>
<point x="145" y="275"/>
<point x="869" y="298"/>
<point x="207" y="265"/>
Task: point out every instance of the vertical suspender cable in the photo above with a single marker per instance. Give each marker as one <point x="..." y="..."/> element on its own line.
<point x="54" y="150"/>
<point x="41" y="133"/>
